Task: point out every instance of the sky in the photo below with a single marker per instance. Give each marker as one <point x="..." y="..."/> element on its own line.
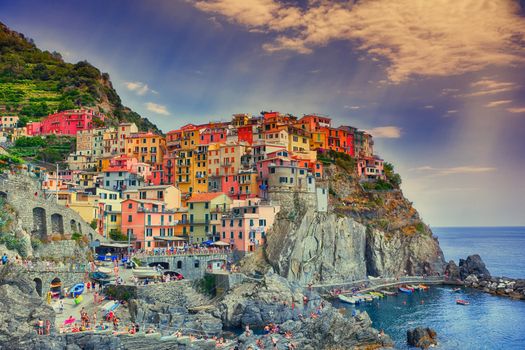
<point x="440" y="84"/>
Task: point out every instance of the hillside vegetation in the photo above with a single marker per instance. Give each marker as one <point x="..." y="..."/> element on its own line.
<point x="34" y="83"/>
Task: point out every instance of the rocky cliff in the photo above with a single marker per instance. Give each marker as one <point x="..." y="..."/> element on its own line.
<point x="365" y="232"/>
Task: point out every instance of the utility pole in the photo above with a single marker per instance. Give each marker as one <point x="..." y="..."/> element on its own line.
<point x="56" y="186"/>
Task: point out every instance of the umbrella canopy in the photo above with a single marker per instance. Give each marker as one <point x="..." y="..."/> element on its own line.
<point x="209" y="242"/>
<point x="220" y="244"/>
<point x="70" y="320"/>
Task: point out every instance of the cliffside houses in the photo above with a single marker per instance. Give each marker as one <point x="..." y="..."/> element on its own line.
<point x="201" y="183"/>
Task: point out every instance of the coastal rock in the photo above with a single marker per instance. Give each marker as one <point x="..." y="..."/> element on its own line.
<point x="473" y="265"/>
<point x="308" y="246"/>
<point x="20" y="308"/>
<point x="452" y="271"/>
<point x="422" y="338"/>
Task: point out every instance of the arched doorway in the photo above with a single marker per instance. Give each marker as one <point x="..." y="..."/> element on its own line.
<point x="39" y="222"/>
<point x="165" y="265"/>
<point x="73" y="225"/>
<point x="57" y="223"/>
<point x="38" y="286"/>
<point x="79" y="228"/>
<point x="55" y="287"/>
<point x="179" y="264"/>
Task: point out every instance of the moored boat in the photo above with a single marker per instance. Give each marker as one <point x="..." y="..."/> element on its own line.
<point x="462" y="302"/>
<point x="146" y="273"/>
<point x="388" y="293"/>
<point x="405" y="290"/>
<point x="347" y="299"/>
<point x="423" y="287"/>
<point x="377" y="294"/>
<point x="456" y="290"/>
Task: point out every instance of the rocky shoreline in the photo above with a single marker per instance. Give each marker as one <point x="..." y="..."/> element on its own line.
<point x="473" y="273"/>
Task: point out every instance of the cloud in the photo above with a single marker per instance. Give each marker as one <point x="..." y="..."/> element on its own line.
<point x="138" y="87"/>
<point x="386" y="132"/>
<point x="428" y="107"/>
<point x="497" y="103"/>
<point x="156" y="108"/>
<point x="425" y="38"/>
<point x="516" y="110"/>
<point x="490" y="87"/>
<point x="453" y="170"/>
<point x="352" y="107"/>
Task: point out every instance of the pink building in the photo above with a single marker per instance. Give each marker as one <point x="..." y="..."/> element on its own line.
<point x="212" y="135"/>
<point x="149" y="222"/>
<point x="370" y="168"/>
<point x="65" y="123"/>
<point x="245" y="226"/>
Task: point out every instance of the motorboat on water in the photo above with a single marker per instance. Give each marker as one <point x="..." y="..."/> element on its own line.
<point x="456" y="290"/>
<point x="462" y="302"/>
<point x="423" y="287"/>
<point x="377" y="294"/>
<point x="389" y="293"/>
<point x="405" y="290"/>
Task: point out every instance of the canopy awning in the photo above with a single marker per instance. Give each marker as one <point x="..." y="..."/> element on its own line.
<point x="220" y="244"/>
<point x="113" y="245"/>
<point x="170" y="239"/>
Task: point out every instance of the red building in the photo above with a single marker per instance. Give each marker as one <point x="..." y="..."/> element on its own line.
<point x="245" y="133"/>
<point x="65" y="123"/>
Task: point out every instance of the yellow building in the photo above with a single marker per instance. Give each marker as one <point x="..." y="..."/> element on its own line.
<point x="85" y="204"/>
<point x="298" y="139"/>
<point x="109" y="216"/>
<point x="204" y="210"/>
<point x="169" y="194"/>
<point x="146" y="147"/>
<point x="200" y="173"/>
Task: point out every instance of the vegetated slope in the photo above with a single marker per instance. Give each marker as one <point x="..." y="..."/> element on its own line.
<point x="34" y="83"/>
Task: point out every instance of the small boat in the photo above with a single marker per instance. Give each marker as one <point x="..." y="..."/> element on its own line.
<point x="423" y="287"/>
<point x="389" y="293"/>
<point x="462" y="302"/>
<point x="77" y="290"/>
<point x="373" y="296"/>
<point x="413" y="287"/>
<point x="405" y="290"/>
<point x="456" y="290"/>
<point x="377" y="294"/>
<point x="146" y="273"/>
<point x="363" y="297"/>
<point x="348" y="299"/>
<point x="105" y="270"/>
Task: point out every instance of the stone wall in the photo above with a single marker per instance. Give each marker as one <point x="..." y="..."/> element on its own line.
<point x="38" y="215"/>
<point x="191" y="266"/>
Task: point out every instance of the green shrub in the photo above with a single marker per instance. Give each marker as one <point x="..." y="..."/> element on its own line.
<point x="76" y="236"/>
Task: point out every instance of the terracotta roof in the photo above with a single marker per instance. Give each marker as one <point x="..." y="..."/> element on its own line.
<point x="204" y="197"/>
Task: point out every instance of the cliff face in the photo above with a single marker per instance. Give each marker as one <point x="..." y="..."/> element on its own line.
<point x="376" y="233"/>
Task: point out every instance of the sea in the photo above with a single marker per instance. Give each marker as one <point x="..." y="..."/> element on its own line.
<point x="489" y="322"/>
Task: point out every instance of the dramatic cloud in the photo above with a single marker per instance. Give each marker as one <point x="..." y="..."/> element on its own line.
<point x="454" y="170"/>
<point x="497" y="103"/>
<point x="490" y="87"/>
<point x="386" y="132"/>
<point x="516" y="110"/>
<point x="427" y="38"/>
<point x="155" y="108"/>
<point x="138" y="87"/>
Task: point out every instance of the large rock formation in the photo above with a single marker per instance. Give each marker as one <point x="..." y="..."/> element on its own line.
<point x="422" y="338"/>
<point x="20" y="308"/>
<point x="273" y="299"/>
<point x="473" y="265"/>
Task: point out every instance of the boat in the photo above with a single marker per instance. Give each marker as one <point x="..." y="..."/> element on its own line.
<point x="389" y="293"/>
<point x="456" y="290"/>
<point x="405" y="290"/>
<point x="76" y="290"/>
<point x="462" y="302"/>
<point x="363" y="297"/>
<point x="105" y="270"/>
<point x="348" y="299"/>
<point x="423" y="287"/>
<point x="146" y="272"/>
<point x="377" y="294"/>
<point x="413" y="287"/>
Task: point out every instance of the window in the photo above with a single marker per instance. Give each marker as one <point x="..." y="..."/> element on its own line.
<point x="191" y="206"/>
<point x="251" y="222"/>
<point x="240" y="234"/>
<point x="197" y="264"/>
<point x="240" y="222"/>
<point x="231" y="235"/>
<point x="130" y="218"/>
<point x="206" y="205"/>
<point x="113" y="218"/>
<point x="149" y="232"/>
<point x="223" y="223"/>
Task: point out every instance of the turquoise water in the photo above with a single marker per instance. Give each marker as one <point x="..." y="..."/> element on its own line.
<point x="489" y="322"/>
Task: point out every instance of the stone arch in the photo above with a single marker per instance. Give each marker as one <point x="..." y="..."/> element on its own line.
<point x="179" y="264"/>
<point x="73" y="225"/>
<point x="57" y="223"/>
<point x="38" y="286"/>
<point x="39" y="222"/>
<point x="3" y="195"/>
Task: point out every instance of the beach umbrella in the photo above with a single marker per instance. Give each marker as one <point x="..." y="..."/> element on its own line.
<point x="70" y="320"/>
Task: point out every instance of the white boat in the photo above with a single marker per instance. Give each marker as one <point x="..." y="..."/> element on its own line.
<point x="347" y="299"/>
<point x="146" y="272"/>
<point x="105" y="270"/>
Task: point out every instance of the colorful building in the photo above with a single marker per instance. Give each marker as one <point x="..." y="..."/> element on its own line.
<point x="204" y="210"/>
<point x="146" y="147"/>
<point x="66" y="123"/>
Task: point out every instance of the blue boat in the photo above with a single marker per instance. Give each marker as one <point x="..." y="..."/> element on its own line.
<point x="405" y="290"/>
<point x="77" y="290"/>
